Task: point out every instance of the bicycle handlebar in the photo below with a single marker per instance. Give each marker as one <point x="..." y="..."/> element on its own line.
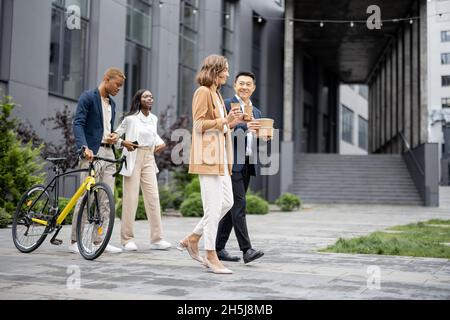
<point x="120" y="161"/>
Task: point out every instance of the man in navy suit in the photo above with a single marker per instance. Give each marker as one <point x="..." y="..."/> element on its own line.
<point x="244" y="147"/>
<point x="92" y="127"/>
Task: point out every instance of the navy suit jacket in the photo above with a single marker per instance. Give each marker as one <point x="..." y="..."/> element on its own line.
<point x="88" y="120"/>
<point x="241" y="130"/>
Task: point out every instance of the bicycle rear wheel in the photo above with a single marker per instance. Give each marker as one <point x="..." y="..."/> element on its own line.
<point x="35" y="204"/>
<point x="95" y="221"/>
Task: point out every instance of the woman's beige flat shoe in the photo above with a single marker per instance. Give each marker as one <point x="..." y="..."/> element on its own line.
<point x="214" y="269"/>
<point x="182" y="246"/>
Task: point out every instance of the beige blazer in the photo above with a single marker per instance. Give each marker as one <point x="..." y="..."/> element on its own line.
<point x="208" y="136"/>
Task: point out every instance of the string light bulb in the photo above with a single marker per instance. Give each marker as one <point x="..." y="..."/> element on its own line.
<point x="411" y="21"/>
<point x="321" y="24"/>
<point x="260" y="20"/>
<point x="194" y="11"/>
<point x="352" y="24"/>
<point x="227" y="16"/>
<point x="161" y="4"/>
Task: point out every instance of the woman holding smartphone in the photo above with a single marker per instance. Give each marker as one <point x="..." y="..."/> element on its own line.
<point x="141" y="143"/>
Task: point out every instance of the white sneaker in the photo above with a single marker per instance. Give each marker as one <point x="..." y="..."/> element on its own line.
<point x="160" y="245"/>
<point x="130" y="246"/>
<point x="111" y="249"/>
<point x="73" y="248"/>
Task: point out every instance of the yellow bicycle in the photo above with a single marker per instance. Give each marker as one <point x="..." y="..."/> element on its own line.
<point x="37" y="214"/>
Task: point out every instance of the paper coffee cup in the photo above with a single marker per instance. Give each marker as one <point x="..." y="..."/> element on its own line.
<point x="248" y="110"/>
<point x="266" y="129"/>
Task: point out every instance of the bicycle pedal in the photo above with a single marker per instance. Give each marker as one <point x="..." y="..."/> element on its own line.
<point x="56" y="242"/>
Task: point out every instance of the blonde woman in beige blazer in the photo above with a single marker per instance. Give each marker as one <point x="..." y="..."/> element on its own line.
<point x="211" y="158"/>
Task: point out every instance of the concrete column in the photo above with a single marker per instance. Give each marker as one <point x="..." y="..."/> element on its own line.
<point x="371" y="116"/>
<point x="415" y="86"/>
<point x="388" y="102"/>
<point x="401" y="86"/>
<point x="287" y="145"/>
<point x="423" y="65"/>
<point x="378" y="110"/>
<point x="383" y="104"/>
<point x="394" y="96"/>
<point x="288" y="72"/>
<point x="319" y="109"/>
<point x="407" y="83"/>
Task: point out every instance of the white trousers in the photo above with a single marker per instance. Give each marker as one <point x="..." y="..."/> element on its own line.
<point x="217" y="199"/>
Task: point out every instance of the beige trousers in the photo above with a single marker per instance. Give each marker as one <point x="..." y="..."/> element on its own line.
<point x="104" y="173"/>
<point x="144" y="175"/>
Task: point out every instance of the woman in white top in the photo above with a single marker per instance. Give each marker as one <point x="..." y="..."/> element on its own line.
<point x="141" y="143"/>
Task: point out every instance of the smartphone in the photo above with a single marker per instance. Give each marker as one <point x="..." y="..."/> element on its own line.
<point x="136" y="143"/>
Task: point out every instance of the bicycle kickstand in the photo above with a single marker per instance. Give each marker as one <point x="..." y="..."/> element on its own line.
<point x="54" y="241"/>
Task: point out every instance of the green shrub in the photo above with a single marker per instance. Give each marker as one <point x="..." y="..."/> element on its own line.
<point x="256" y="205"/>
<point x="288" y="202"/>
<point x="192" y="206"/>
<point x="193" y="186"/>
<point x="20" y="164"/>
<point x="177" y="199"/>
<point x="140" y="212"/>
<point x="169" y="198"/>
<point x="182" y="177"/>
<point x="165" y="197"/>
<point x="5" y="218"/>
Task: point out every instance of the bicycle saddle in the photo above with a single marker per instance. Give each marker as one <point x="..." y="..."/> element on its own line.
<point x="56" y="160"/>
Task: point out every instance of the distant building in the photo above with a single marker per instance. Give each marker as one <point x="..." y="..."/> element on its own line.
<point x="51" y="51"/>
<point x="439" y="79"/>
<point x="353" y="129"/>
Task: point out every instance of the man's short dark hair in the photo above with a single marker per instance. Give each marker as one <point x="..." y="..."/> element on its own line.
<point x="246" y="74"/>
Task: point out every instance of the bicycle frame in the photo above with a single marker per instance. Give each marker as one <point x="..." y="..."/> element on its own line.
<point x="86" y="185"/>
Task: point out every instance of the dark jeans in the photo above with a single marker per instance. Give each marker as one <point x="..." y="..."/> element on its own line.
<point x="236" y="216"/>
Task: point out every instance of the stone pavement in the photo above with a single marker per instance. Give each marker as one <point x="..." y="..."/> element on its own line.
<point x="291" y="268"/>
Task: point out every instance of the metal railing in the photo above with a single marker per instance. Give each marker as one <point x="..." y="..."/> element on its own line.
<point x="408" y="149"/>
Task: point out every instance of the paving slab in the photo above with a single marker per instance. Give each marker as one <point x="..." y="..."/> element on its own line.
<point x="292" y="267"/>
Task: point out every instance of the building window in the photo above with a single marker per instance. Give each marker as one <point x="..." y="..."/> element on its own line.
<point x="445" y="81"/>
<point x="445" y="58"/>
<point x="363" y="91"/>
<point x="347" y="124"/>
<point x="68" y="48"/>
<point x="445" y="36"/>
<point x="188" y="54"/>
<point x="445" y="102"/>
<point x="362" y="133"/>
<point x="137" y="48"/>
<point x="279" y="2"/>
<point x="228" y="28"/>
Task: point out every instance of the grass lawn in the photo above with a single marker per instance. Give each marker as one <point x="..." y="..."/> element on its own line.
<point x="423" y="239"/>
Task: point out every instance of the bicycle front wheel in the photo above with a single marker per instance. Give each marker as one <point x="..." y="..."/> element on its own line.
<point x="27" y="234"/>
<point x="95" y="221"/>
